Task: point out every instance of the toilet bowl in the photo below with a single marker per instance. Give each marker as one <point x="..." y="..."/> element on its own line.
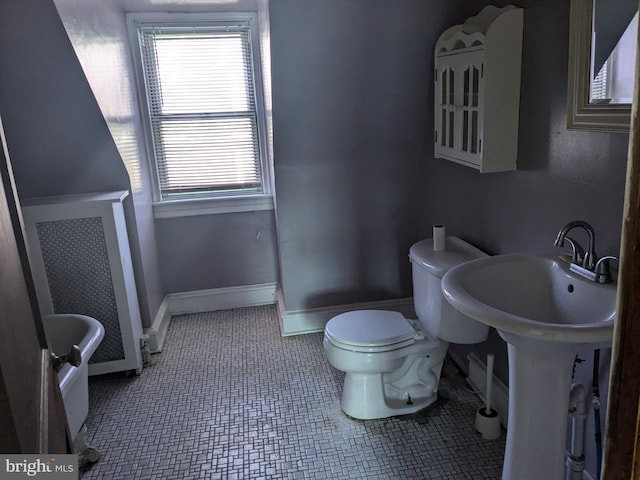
<point x="392" y="367"/>
<point x="393" y="364"/>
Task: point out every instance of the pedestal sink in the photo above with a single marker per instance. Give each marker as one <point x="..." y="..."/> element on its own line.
<point x="546" y="314"/>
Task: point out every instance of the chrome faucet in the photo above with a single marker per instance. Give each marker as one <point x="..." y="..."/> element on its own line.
<point x="585" y="262"/>
<point x="590" y="258"/>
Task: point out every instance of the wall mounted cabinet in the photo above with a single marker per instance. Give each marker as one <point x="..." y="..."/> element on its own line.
<point x="477" y="90"/>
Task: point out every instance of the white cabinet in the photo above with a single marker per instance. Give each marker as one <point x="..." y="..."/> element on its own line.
<point x="459" y="106"/>
<point x="81" y="263"/>
<point x="477" y="90"/>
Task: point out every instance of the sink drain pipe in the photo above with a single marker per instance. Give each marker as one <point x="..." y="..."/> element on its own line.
<point x="578" y="413"/>
<point x="596" y="411"/>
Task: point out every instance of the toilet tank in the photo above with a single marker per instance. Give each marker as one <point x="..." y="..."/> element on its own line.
<point x="435" y="314"/>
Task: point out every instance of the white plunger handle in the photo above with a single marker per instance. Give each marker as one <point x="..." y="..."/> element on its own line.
<point x="487" y="409"/>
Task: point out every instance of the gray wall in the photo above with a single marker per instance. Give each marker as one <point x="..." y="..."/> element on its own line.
<point x="356" y="180"/>
<point x="56" y="133"/>
<point x="562" y="175"/>
<point x="100" y="45"/>
<point x="352" y="123"/>
<point x="353" y="155"/>
<point x="195" y="252"/>
<point x="217" y="251"/>
<point x="70" y="112"/>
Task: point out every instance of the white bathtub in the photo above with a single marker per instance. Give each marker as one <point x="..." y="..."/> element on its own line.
<point x="63" y="331"/>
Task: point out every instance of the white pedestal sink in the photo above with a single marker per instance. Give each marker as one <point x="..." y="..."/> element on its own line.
<point x="547" y="315"/>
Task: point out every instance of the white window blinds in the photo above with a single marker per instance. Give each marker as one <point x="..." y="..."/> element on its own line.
<point x="203" y="117"/>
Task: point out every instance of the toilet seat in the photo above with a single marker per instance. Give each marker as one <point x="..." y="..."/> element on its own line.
<point x="372" y="331"/>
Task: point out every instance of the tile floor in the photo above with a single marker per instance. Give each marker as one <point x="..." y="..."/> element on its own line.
<point x="229" y="398"/>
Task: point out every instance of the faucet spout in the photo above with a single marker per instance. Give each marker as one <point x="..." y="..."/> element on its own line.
<point x="590" y="258"/>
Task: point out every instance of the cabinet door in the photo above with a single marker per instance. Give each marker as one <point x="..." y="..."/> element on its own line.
<point x="445" y="120"/>
<point x="459" y="107"/>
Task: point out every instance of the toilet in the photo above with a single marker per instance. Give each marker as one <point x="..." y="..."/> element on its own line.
<point x="392" y="364"/>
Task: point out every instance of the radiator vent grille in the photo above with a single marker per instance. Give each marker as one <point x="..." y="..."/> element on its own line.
<point x="77" y="269"/>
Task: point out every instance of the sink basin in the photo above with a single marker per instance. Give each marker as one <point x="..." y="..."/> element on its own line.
<point x="547" y="315"/>
<point x="530" y="298"/>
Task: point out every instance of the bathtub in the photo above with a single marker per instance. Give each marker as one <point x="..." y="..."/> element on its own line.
<point x="62" y="332"/>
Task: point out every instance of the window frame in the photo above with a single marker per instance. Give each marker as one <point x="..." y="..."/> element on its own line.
<point x="204" y="204"/>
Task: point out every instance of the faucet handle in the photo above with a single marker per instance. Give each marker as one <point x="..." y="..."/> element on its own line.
<point x="603" y="270"/>
<point x="577" y="252"/>
<point x="74" y="357"/>
<point x="590" y="260"/>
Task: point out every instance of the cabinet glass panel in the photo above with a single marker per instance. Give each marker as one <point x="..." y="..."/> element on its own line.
<point x="465" y="90"/>
<point x="474" y="131"/>
<point x="452" y="83"/>
<point x="476" y="86"/>
<point x="465" y="131"/>
<point x="451" y="129"/>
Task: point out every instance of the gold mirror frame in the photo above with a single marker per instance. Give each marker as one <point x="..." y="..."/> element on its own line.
<point x="581" y="114"/>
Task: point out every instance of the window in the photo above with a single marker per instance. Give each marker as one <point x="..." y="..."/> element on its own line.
<point x="615" y="79"/>
<point x="205" y="123"/>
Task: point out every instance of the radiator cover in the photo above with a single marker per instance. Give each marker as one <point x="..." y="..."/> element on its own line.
<point x="81" y="263"/>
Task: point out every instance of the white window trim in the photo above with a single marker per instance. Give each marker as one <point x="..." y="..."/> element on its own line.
<point x="213" y="204"/>
<point x="209" y="206"/>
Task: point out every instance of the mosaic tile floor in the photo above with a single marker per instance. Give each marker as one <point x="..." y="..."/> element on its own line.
<point x="229" y="398"/>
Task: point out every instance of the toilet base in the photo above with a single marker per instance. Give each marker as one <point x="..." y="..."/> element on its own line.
<point x="363" y="397"/>
<point x="368" y="396"/>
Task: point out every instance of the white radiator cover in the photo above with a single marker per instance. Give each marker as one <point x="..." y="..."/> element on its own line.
<point x="81" y="263"/>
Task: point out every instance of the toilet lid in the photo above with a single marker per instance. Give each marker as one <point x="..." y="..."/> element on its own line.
<point x="370" y="328"/>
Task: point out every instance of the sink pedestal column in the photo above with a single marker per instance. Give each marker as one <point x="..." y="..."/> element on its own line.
<point x="539" y="387"/>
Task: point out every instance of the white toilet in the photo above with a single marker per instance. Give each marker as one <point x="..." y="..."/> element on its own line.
<point x="392" y="364"/>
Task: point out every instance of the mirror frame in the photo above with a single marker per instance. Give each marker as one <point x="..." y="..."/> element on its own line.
<point x="581" y="114"/>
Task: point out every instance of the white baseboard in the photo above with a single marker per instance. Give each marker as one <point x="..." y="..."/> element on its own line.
<point x="313" y="320"/>
<point x="500" y="392"/>
<point x="294" y="322"/>
<point x="205" y="301"/>
<point x="222" y="298"/>
<point x="280" y="307"/>
<point x="158" y="330"/>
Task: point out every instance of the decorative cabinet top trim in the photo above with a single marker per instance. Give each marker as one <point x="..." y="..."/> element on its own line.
<point x="477" y="90"/>
<point x="472" y="32"/>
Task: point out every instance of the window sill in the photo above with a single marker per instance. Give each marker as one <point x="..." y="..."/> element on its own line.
<point x="212" y="206"/>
